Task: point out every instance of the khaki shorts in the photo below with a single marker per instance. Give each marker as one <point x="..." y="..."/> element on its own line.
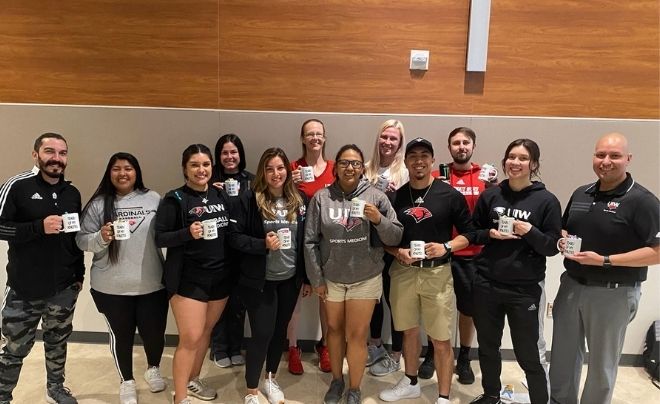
<point x="426" y="293"/>
<point x="367" y="289"/>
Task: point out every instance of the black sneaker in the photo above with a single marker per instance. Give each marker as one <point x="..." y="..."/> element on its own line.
<point x="484" y="399"/>
<point x="464" y="372"/>
<point x="427" y="368"/>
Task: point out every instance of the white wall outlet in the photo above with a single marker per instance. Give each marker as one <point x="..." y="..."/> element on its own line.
<point x="548" y="310"/>
<point x="419" y="59"/>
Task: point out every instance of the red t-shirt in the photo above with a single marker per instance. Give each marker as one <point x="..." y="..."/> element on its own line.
<point x="325" y="179"/>
<point x="467" y="183"/>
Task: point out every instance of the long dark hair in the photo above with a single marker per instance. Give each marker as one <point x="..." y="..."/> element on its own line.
<point x="108" y="192"/>
<point x="218" y="169"/>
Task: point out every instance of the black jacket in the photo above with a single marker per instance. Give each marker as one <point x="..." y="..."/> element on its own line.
<point x="40" y="265"/>
<point x="521" y="261"/>
<point x="247" y="236"/>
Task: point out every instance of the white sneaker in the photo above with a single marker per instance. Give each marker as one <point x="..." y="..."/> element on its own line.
<point x="127" y="392"/>
<point x="403" y="389"/>
<point x="272" y="391"/>
<point x="154" y="379"/>
<point x="251" y="399"/>
<point x="442" y="401"/>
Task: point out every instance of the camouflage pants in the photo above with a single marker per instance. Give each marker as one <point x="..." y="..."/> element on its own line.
<point x="20" y="319"/>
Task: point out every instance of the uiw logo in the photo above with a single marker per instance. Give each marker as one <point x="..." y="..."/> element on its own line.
<point x="342" y="217"/>
<point x="200" y="210"/>
<point x="515" y="213"/>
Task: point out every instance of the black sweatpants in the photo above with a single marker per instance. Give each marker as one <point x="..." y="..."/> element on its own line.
<point x="123" y="314"/>
<point x="269" y="313"/>
<point x="376" y="325"/>
<point x="227" y="335"/>
<point x="520" y="304"/>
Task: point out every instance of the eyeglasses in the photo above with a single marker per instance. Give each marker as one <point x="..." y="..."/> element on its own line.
<point x="310" y="135"/>
<point x="357" y="164"/>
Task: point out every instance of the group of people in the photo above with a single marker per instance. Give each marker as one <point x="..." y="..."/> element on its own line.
<point x="352" y="232"/>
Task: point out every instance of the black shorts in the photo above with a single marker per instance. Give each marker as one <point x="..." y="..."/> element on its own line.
<point x="463" y="271"/>
<point x="205" y="288"/>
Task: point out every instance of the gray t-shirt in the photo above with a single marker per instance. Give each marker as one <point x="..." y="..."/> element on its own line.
<point x="281" y="264"/>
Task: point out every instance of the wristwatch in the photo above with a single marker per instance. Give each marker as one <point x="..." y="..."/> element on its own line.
<point x="606" y="261"/>
<point x="447" y="246"/>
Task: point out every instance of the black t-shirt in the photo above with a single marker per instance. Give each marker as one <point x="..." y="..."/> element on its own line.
<point x="614" y="222"/>
<point x="428" y="214"/>
<point x="203" y="258"/>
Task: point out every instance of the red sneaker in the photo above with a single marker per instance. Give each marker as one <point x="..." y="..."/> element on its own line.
<point x="295" y="366"/>
<point x="324" y="358"/>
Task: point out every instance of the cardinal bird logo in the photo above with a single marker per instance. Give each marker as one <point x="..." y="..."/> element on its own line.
<point x="349" y="223"/>
<point x="418" y="213"/>
<point x="198" y="211"/>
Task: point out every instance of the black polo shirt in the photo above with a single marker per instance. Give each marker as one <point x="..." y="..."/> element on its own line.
<point x="613" y="222"/>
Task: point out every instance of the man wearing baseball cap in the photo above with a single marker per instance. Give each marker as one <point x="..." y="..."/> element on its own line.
<point x="422" y="289"/>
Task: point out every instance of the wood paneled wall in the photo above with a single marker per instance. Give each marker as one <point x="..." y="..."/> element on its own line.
<point x="597" y="58"/>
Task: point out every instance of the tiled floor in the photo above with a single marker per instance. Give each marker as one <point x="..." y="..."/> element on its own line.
<point x="91" y="375"/>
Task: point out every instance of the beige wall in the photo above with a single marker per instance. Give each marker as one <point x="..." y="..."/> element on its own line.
<point x="158" y="136"/>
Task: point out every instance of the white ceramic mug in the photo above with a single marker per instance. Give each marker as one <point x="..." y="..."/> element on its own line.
<point x="210" y="229"/>
<point x="232" y="187"/>
<point x="417" y="249"/>
<point x="488" y="173"/>
<point x="121" y="229"/>
<point x="572" y="245"/>
<point x="505" y="225"/>
<point x="357" y="207"/>
<point x="70" y="222"/>
<point x="307" y="173"/>
<point x="285" y="238"/>
<point x="382" y="183"/>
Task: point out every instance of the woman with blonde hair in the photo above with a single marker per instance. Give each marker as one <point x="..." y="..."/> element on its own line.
<point x="267" y="228"/>
<point x="387" y="158"/>
<point x="386" y="170"/>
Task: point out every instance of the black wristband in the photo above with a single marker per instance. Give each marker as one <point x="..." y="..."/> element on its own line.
<point x="606" y="261"/>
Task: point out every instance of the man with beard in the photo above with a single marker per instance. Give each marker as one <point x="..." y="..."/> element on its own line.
<point x="45" y="269"/>
<point x="422" y="289"/>
<point x="464" y="177"/>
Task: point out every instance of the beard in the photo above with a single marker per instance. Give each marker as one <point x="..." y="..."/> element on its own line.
<point x="461" y="160"/>
<point x="44" y="167"/>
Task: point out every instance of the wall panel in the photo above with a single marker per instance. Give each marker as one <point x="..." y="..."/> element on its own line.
<point x="109" y="52"/>
<point x="572" y="58"/>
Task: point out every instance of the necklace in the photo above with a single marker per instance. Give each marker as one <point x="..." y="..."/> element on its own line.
<point x="205" y="197"/>
<point x="419" y="200"/>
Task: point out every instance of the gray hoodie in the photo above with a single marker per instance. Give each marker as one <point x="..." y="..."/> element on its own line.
<point x="345" y="249"/>
<point x="139" y="267"/>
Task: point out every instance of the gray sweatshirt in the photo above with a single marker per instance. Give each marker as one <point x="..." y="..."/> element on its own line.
<point x="346" y="249"/>
<point x="139" y="267"/>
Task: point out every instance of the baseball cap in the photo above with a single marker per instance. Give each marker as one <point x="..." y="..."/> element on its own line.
<point x="421" y="142"/>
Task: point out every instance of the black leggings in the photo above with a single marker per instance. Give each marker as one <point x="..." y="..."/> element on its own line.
<point x="123" y="314"/>
<point x="376" y="325"/>
<point x="227" y="334"/>
<point x="269" y="313"/>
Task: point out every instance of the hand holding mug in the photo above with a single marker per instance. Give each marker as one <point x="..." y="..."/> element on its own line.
<point x="52" y="224"/>
<point x="197" y="230"/>
<point x="296" y="176"/>
<point x="107" y="232"/>
<point x="372" y="213"/>
<point x="272" y="241"/>
<point x="403" y="256"/>
<point x="521" y="228"/>
<point x="434" y="250"/>
<point x="219" y="185"/>
<point x="494" y="233"/>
